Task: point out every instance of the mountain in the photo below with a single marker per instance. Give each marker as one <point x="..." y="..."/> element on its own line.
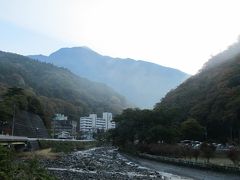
<point x="57" y="89"/>
<point x="212" y="96"/>
<point x="142" y="83"/>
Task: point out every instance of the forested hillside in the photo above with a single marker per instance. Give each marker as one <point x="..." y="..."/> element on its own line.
<point x="212" y="96"/>
<point x="54" y="89"/>
<point x="206" y="107"/>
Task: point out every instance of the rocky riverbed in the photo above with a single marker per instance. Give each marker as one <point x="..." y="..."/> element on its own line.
<point x="101" y="163"/>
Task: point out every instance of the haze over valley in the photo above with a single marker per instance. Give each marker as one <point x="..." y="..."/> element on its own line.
<point x="142" y="83"/>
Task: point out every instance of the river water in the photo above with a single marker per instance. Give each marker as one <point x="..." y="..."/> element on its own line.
<point x="192" y="173"/>
<point x="108" y="163"/>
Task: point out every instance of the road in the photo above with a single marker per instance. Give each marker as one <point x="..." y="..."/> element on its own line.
<point x="183" y="171"/>
<point x="23" y="138"/>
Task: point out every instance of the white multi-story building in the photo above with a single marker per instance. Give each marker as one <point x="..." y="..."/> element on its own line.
<point x="92" y="123"/>
<point x="108" y="120"/>
<point x="86" y="124"/>
<point x="100" y="124"/>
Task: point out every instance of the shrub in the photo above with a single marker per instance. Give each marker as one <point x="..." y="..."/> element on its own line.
<point x="170" y="150"/>
<point x="66" y="146"/>
<point x="208" y="150"/>
<point x="5" y="163"/>
<point x="195" y="153"/>
<point x="186" y="151"/>
<point x="10" y="169"/>
<point x="234" y="155"/>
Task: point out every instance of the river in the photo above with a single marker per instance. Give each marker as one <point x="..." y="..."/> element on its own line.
<point x="107" y="163"/>
<point x="192" y="173"/>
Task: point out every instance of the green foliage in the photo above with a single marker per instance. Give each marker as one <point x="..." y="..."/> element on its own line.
<point x="143" y="126"/>
<point x="191" y="129"/>
<point x="234" y="155"/>
<point x="14" y="91"/>
<point x="195" y="153"/>
<point x="102" y="137"/>
<point x="31" y="169"/>
<point x="160" y="133"/>
<point x="5" y="163"/>
<point x="170" y="150"/>
<point x="45" y="89"/>
<point x="5" y="112"/>
<point x="212" y="97"/>
<point x="208" y="150"/>
<point x="10" y="169"/>
<point x="34" y="105"/>
<point x="66" y="146"/>
<point x="17" y="99"/>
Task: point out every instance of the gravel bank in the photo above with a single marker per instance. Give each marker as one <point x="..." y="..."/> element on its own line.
<point x="102" y="163"/>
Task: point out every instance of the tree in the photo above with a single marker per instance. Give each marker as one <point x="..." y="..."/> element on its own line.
<point x="161" y="133"/>
<point x="14" y="91"/>
<point x="195" y="153"/>
<point x="5" y="163"/>
<point x="234" y="155"/>
<point x="34" y="105"/>
<point x="208" y="150"/>
<point x="29" y="169"/>
<point x="191" y="129"/>
<point x="5" y="112"/>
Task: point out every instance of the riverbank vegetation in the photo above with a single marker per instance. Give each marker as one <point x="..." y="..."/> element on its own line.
<point x="66" y="146"/>
<point x="44" y="89"/>
<point x="38" y="154"/>
<point x="13" y="169"/>
<point x="204" y="109"/>
<point x="26" y="165"/>
<point x="145" y="131"/>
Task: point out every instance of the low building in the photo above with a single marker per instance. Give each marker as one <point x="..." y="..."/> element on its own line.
<point x="60" y="117"/>
<point x="64" y="135"/>
<point x="61" y="125"/>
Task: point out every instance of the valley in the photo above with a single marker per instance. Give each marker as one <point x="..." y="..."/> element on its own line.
<point x="123" y="90"/>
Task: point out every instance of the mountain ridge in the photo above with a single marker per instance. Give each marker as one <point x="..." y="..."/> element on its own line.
<point x="142" y="83"/>
<point x="212" y="96"/>
<point x="59" y="90"/>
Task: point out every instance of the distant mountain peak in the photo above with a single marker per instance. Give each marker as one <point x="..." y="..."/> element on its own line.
<point x="77" y="48"/>
<point x="85" y="47"/>
<point x="142" y="83"/>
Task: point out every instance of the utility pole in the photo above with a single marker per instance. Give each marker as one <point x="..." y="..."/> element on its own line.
<point x="37" y="129"/>
<point x="205" y="133"/>
<point x="53" y="127"/>
<point x="13" y="119"/>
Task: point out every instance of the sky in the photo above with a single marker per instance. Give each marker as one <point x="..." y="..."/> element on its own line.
<point x="179" y="34"/>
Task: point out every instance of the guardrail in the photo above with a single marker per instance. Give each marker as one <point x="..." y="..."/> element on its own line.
<point x="25" y="143"/>
<point x="16" y="142"/>
<point x="12" y="138"/>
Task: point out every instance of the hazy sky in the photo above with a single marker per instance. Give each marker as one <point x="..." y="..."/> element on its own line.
<point x="182" y="34"/>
